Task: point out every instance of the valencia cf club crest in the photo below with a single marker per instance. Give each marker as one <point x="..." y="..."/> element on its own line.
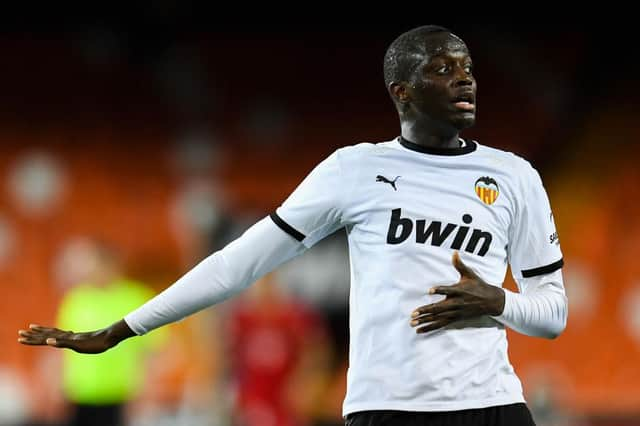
<point x="487" y="189"/>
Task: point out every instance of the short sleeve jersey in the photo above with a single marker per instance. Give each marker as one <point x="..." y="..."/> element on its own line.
<point x="406" y="209"/>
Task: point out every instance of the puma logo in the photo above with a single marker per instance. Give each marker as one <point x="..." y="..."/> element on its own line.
<point x="381" y="178"/>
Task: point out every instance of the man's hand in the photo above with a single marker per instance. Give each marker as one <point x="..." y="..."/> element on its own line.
<point x="470" y="297"/>
<point x="92" y="342"/>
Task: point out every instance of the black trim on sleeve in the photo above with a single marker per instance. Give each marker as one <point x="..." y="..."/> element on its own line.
<point x="543" y="269"/>
<point x="286" y="227"/>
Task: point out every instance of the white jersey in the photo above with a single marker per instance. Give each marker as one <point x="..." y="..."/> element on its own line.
<point x="406" y="209"/>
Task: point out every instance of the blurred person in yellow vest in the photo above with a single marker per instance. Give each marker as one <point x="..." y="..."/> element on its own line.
<point x="99" y="388"/>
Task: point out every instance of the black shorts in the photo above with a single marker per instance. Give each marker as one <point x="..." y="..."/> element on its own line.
<point x="501" y="415"/>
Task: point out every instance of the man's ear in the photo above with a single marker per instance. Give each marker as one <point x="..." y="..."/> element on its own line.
<point x="399" y="92"/>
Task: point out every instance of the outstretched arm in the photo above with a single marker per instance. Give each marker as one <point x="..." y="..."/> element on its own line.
<point x="262" y="248"/>
<point x="312" y="211"/>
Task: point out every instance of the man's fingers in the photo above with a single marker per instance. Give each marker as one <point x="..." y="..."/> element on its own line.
<point x="33" y="333"/>
<point x="464" y="270"/>
<point x="54" y="337"/>
<point x="434" y="326"/>
<point x="61" y="343"/>
<point x="37" y="327"/>
<point x="30" y="341"/>
<point x="424" y="319"/>
<point x="444" y="289"/>
<point x="52" y="341"/>
<point x="28" y="337"/>
<point x="38" y="335"/>
<point x="43" y="329"/>
<point x="420" y="320"/>
<point x="436" y="308"/>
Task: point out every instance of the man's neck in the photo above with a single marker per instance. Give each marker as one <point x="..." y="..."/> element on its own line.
<point x="432" y="141"/>
<point x="429" y="136"/>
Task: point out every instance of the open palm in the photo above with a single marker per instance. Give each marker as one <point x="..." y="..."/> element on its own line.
<point x="92" y="342"/>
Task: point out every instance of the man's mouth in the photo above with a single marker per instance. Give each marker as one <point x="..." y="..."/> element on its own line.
<point x="465" y="102"/>
<point x="465" y="106"/>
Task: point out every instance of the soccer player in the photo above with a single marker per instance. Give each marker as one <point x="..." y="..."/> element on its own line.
<point x="432" y="221"/>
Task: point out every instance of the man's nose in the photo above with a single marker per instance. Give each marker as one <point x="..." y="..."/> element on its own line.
<point x="462" y="77"/>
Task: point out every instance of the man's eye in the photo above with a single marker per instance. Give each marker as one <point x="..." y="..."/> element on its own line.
<point x="442" y="70"/>
<point x="468" y="69"/>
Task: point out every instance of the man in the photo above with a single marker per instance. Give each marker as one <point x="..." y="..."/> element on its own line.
<point x="409" y="206"/>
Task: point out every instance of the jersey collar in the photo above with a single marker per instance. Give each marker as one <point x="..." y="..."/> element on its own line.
<point x="470" y="146"/>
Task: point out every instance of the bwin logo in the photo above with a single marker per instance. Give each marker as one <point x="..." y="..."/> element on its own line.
<point x="400" y="229"/>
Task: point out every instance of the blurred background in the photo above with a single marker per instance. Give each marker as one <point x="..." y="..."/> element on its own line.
<point x="132" y="150"/>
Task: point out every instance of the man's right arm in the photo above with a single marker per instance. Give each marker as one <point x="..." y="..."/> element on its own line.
<point x="262" y="248"/>
<point x="311" y="212"/>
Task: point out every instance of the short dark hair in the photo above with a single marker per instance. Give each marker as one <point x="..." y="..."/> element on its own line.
<point x="400" y="58"/>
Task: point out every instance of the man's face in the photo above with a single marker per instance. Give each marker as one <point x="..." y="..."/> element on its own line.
<point x="442" y="86"/>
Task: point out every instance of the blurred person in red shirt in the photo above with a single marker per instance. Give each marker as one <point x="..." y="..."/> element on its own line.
<point x="271" y="335"/>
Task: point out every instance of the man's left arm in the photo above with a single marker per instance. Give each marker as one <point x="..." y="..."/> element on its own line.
<point x="539" y="309"/>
